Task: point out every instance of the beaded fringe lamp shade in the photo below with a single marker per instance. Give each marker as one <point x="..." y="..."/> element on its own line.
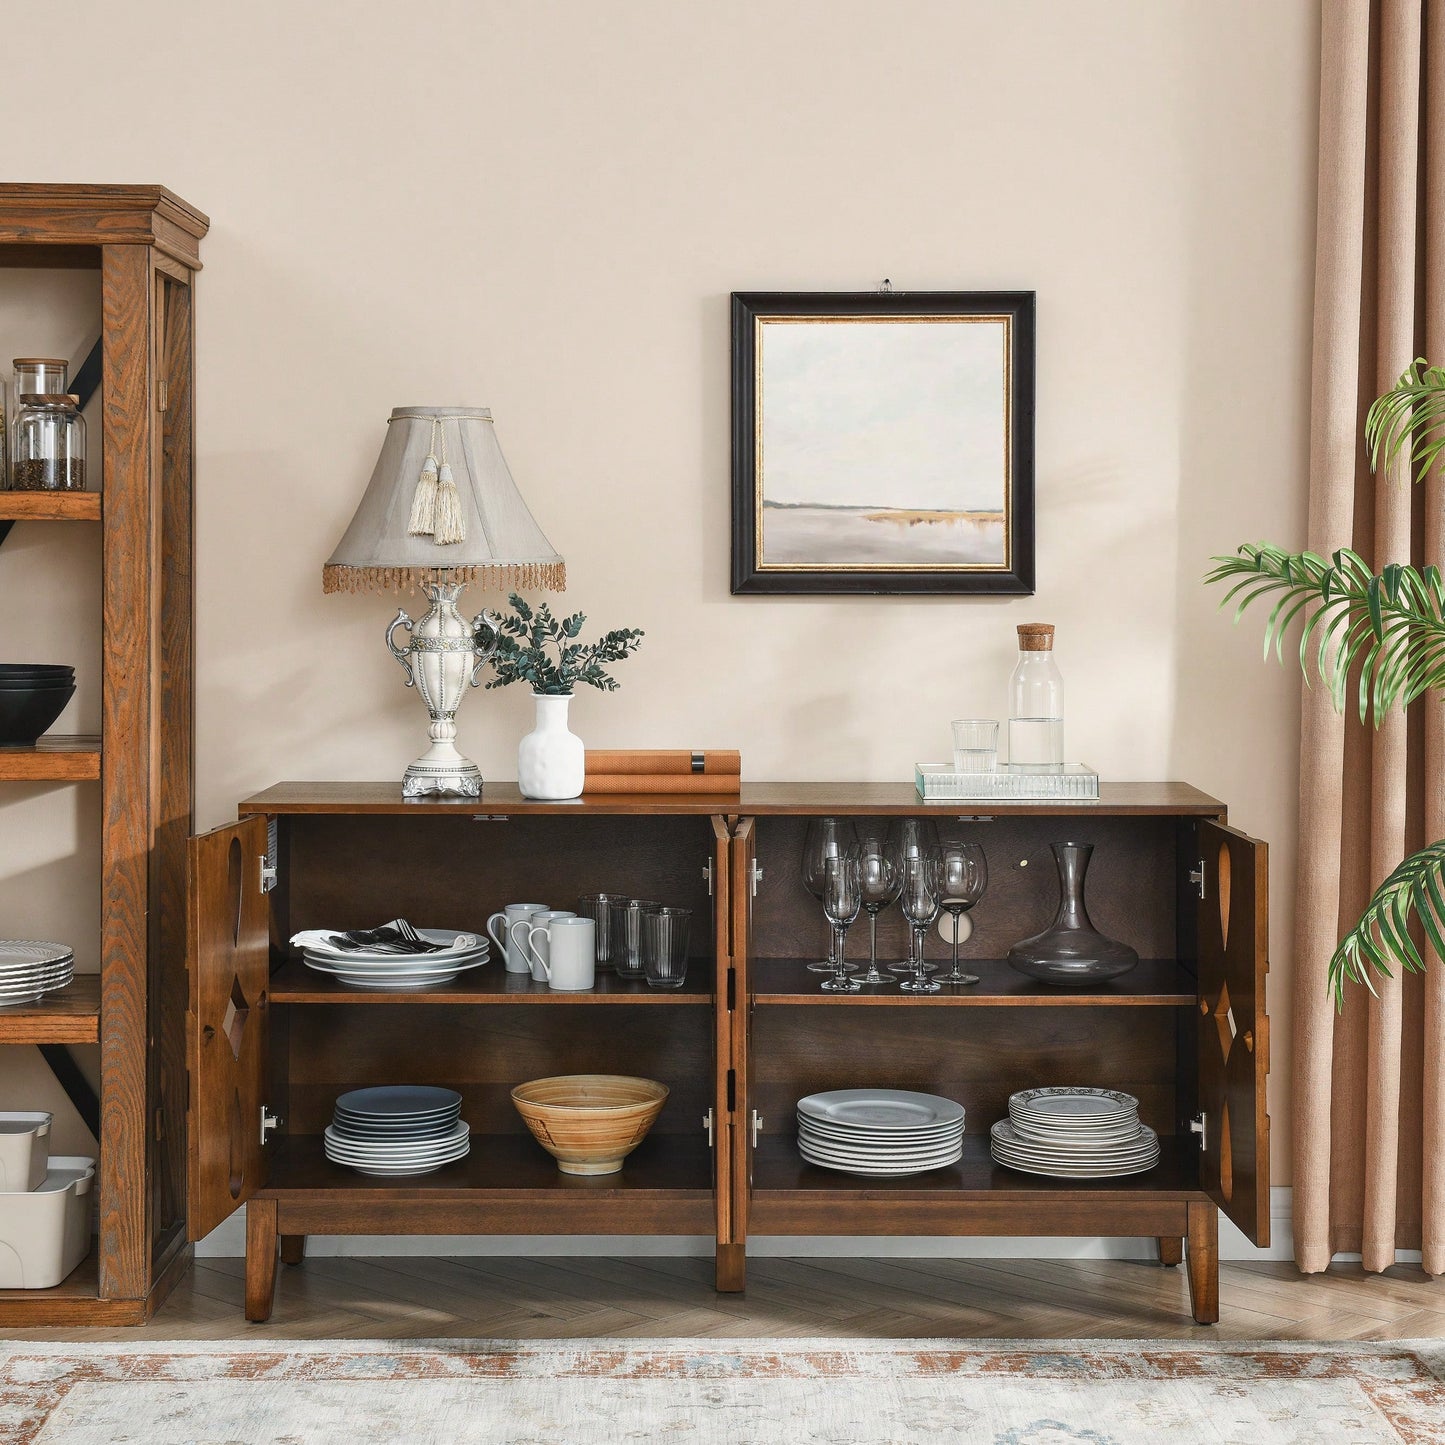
<point x="441" y="511"/>
<point x="500" y="546"/>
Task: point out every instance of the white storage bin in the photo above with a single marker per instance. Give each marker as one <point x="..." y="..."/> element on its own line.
<point x="45" y="1233"/>
<point x="24" y="1150"/>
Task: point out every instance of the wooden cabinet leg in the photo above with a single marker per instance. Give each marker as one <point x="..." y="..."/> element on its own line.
<point x="1204" y="1263"/>
<point x="293" y="1248"/>
<point x="1171" y="1250"/>
<point x="261" y="1239"/>
<point x="731" y="1268"/>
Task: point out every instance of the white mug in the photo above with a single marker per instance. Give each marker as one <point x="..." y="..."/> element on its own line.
<point x="512" y="945"/>
<point x="571" y="962"/>
<point x="540" y="952"/>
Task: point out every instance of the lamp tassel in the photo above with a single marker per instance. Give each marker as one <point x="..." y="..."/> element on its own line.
<point x="451" y="525"/>
<point x="424" y="500"/>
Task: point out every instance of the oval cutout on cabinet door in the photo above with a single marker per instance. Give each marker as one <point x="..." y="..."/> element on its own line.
<point x="238" y="1147"/>
<point x="1226" y="1156"/>
<point x="233" y="883"/>
<point x="1224" y="894"/>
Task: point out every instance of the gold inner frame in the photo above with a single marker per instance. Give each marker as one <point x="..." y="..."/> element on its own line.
<point x="1005" y="319"/>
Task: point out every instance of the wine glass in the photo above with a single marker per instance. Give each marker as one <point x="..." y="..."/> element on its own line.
<point x="842" y="898"/>
<point x="878" y="882"/>
<point x="911" y="838"/>
<point x="960" y="875"/>
<point x="827" y="838"/>
<point x="919" y="897"/>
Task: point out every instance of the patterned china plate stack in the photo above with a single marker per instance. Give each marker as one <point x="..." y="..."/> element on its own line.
<point x="1074" y="1133"/>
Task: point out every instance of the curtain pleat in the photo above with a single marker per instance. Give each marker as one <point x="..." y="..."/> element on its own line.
<point x="1367" y="1082"/>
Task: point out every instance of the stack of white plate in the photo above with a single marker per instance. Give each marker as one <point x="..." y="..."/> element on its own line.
<point x="879" y="1131"/>
<point x="29" y="970"/>
<point x="458" y="952"/>
<point x="1074" y="1133"/>
<point x="397" y="1129"/>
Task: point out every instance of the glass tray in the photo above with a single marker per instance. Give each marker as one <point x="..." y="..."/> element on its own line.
<point x="938" y="783"/>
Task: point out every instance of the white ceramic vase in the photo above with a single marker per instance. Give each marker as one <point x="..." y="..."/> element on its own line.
<point x="550" y="762"/>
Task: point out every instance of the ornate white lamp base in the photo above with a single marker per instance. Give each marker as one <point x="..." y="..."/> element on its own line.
<point x="445" y="654"/>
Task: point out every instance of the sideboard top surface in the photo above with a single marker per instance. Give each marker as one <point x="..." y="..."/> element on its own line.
<point x="754" y="800"/>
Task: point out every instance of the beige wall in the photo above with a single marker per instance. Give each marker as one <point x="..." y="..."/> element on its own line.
<point x="542" y="207"/>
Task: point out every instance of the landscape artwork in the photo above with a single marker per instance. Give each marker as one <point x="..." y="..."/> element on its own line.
<point x="884" y="443"/>
<point x="882" y="447"/>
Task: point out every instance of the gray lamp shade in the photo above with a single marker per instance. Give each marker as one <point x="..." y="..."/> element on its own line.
<point x="501" y="547"/>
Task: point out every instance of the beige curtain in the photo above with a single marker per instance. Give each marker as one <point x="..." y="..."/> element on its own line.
<point x="1369" y="1084"/>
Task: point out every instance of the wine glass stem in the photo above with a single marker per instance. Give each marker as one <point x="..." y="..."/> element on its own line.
<point x="872" y="943"/>
<point x="919" y="976"/>
<point x="957" y="918"/>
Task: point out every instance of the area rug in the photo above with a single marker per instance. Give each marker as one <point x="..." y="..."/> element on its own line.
<point x="715" y="1392"/>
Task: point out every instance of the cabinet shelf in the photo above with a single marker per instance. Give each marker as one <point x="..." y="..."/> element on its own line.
<point x="49" y="506"/>
<point x="294" y="983"/>
<point x="69" y="1016"/>
<point x="1156" y="983"/>
<point x="62" y="758"/>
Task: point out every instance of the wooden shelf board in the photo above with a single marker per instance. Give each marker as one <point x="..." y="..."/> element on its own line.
<point x="59" y="758"/>
<point x="755" y="799"/>
<point x="778" y="1169"/>
<point x="49" y="506"/>
<point x="501" y="1166"/>
<point x="70" y="1016"/>
<point x="1154" y="983"/>
<point x="293" y="982"/>
<point x="74" y="1301"/>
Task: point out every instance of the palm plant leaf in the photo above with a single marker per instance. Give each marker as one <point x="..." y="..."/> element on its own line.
<point x="1411" y="414"/>
<point x="1385" y="633"/>
<point x="1414" y="891"/>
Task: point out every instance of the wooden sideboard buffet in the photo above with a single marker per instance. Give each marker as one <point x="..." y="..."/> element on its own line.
<point x="272" y="1044"/>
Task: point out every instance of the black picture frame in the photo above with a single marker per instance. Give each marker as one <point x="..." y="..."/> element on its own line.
<point x="753" y="574"/>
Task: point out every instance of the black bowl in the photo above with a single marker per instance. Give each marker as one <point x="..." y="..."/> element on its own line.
<point x="34" y="684"/>
<point x="26" y="713"/>
<point x="36" y="667"/>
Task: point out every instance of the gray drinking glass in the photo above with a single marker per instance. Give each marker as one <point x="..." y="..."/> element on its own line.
<point x="627" y="915"/>
<point x="599" y="908"/>
<point x="664" y="946"/>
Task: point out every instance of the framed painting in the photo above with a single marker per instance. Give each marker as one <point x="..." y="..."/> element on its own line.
<point x="883" y="442"/>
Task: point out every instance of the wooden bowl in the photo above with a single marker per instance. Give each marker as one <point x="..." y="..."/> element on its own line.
<point x="589" y="1123"/>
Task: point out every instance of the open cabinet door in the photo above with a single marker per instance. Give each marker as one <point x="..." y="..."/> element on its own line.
<point x="227" y="1020"/>
<point x="1234" y="1026"/>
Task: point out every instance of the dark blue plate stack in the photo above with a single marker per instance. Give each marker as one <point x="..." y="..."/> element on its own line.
<point x="32" y="696"/>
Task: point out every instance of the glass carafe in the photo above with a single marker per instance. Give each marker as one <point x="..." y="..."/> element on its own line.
<point x="1036" y="704"/>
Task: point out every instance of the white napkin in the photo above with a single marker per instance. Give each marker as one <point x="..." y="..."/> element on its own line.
<point x="323" y="940"/>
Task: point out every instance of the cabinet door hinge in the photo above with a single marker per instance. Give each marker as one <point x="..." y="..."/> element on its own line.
<point x="1196" y="877"/>
<point x="1199" y="1125"/>
<point x="757" y="1127"/>
<point x="707" y="1124"/>
<point x="756" y="876"/>
<point x="707" y="876"/>
<point x="268" y="875"/>
<point x="269" y="1122"/>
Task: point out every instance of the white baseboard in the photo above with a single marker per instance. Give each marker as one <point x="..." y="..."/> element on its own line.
<point x="230" y="1241"/>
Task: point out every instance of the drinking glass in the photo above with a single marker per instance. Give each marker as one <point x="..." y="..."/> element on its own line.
<point x="911" y="838"/>
<point x="975" y="746"/>
<point x="827" y="838"/>
<point x="598" y="907"/>
<point x="627" y="918"/>
<point x="664" y="946"/>
<point x="878" y="883"/>
<point x="842" y="897"/>
<point x="960" y="875"/>
<point x="919" y="898"/>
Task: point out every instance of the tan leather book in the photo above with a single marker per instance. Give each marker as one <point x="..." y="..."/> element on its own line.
<point x="719" y="785"/>
<point x="660" y="761"/>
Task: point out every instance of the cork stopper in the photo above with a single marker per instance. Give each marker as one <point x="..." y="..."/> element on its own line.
<point x="1036" y="636"/>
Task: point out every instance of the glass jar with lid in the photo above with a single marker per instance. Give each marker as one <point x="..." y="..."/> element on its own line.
<point x="34" y="376"/>
<point x="48" y="448"/>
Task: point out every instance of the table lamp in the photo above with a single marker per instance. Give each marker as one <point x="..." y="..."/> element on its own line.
<point x="441" y="511"/>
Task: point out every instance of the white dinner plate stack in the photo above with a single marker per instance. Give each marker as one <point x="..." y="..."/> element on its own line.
<point x="879" y="1132"/>
<point x="1074" y="1133"/>
<point x="397" y="1129"/>
<point x="30" y="969"/>
<point x="389" y="969"/>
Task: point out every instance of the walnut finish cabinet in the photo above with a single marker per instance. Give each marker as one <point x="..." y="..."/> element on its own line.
<point x="271" y="1043"/>
<point x="143" y="242"/>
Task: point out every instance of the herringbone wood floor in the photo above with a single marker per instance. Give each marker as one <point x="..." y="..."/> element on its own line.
<point x="557" y="1298"/>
